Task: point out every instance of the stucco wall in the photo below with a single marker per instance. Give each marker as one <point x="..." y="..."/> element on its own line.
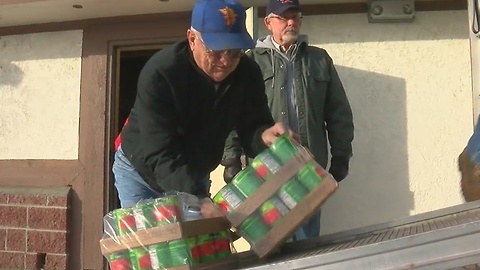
<point x="40" y="95"/>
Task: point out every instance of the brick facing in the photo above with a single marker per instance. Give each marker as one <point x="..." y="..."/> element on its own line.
<point x="57" y="201"/>
<point x="13" y="216"/>
<point x="24" y="217"/>
<point x="47" y="218"/>
<point x="56" y="262"/>
<point x="31" y="261"/>
<point x="12" y="261"/>
<point x="16" y="240"/>
<point x="3" y="198"/>
<point x="3" y="238"/>
<point x="46" y="242"/>
<point x="27" y="199"/>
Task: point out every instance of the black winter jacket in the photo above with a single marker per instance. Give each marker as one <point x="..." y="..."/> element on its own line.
<point x="177" y="128"/>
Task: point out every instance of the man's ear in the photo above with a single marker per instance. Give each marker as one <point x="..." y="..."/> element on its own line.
<point x="266" y="21"/>
<point x="191" y="38"/>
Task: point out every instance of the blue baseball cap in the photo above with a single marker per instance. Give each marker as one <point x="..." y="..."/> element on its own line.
<point x="221" y="24"/>
<point x="280" y="6"/>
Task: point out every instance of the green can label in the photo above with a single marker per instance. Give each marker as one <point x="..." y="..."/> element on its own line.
<point x="273" y="210"/>
<point x="253" y="229"/>
<point x="222" y="244"/>
<point x="265" y="164"/>
<point x="206" y="245"/>
<point x="166" y="210"/>
<point x="283" y="149"/>
<point x="180" y="253"/>
<point x="120" y="261"/>
<point x="144" y="216"/>
<point x="247" y="181"/>
<point x="228" y="198"/>
<point x="310" y="176"/>
<point x="194" y="250"/>
<point x="124" y="221"/>
<point x="287" y="199"/>
<point x="160" y="256"/>
<point x="140" y="258"/>
<point x="292" y="192"/>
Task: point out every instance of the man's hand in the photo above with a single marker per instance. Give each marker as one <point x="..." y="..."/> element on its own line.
<point x="339" y="168"/>
<point x="209" y="210"/>
<point x="232" y="167"/>
<point x="272" y="133"/>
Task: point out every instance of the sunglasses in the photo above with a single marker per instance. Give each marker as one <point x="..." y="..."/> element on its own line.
<point x="229" y="54"/>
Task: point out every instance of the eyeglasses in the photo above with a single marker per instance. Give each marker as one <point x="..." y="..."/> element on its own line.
<point x="295" y="18"/>
<point x="229" y="54"/>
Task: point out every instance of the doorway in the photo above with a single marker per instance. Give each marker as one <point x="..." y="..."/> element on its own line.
<point x="127" y="63"/>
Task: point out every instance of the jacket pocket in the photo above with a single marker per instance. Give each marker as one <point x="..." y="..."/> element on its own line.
<point x="268" y="77"/>
<point x="316" y="91"/>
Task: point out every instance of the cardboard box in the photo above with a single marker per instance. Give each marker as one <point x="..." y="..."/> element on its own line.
<point x="296" y="216"/>
<point x="170" y="232"/>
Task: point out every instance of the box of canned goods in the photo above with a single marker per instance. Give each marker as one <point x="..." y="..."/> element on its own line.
<point x="166" y="233"/>
<point x="269" y="199"/>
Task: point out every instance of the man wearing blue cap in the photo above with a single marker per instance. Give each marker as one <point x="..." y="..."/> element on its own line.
<point x="189" y="97"/>
<point x="304" y="92"/>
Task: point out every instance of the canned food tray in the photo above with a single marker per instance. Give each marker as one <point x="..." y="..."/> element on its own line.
<point x="301" y="212"/>
<point x="169" y="232"/>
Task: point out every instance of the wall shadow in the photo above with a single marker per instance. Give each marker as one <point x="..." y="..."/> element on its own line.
<point x="75" y="226"/>
<point x="36" y="46"/>
<point x="377" y="188"/>
<point x="10" y="74"/>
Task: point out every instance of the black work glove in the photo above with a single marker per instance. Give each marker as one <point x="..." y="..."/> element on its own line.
<point x="339" y="168"/>
<point x="232" y="167"/>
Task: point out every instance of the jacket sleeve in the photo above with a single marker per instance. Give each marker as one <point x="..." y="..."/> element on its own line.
<point x="233" y="145"/>
<point x="160" y="135"/>
<point x="256" y="116"/>
<point x="338" y="116"/>
<point x="233" y="148"/>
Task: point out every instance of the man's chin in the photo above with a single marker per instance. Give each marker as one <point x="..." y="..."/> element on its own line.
<point x="290" y="38"/>
<point x="218" y="77"/>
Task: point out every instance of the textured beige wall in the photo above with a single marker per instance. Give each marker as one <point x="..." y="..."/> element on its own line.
<point x="40" y="95"/>
<point x="410" y="89"/>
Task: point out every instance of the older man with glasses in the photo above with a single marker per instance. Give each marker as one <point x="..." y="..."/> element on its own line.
<point x="189" y="97"/>
<point x="305" y="93"/>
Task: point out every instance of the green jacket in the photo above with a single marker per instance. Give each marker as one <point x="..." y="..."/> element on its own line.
<point x="322" y="105"/>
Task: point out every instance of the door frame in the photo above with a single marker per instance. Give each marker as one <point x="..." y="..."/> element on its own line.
<point x="96" y="109"/>
<point x="114" y="104"/>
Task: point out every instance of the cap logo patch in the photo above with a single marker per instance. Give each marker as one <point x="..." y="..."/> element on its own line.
<point x="229" y="15"/>
<point x="285" y="1"/>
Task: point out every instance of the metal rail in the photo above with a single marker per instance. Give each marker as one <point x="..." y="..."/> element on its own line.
<point x="440" y="239"/>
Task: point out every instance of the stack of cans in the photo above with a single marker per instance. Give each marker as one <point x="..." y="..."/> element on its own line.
<point x="159" y="212"/>
<point x="191" y="251"/>
<point x="262" y="168"/>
